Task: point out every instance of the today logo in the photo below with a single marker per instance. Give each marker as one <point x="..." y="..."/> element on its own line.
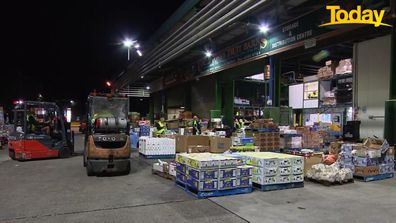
<point x="340" y="16"/>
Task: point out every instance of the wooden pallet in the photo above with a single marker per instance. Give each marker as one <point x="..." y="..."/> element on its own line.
<point x="328" y="183"/>
<point x="374" y="178"/>
<point x="164" y="175"/>
<point x="157" y="156"/>
<point x="278" y="186"/>
<point x="214" y="193"/>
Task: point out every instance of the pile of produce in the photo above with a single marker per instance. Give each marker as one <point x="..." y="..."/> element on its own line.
<point x="330" y="173"/>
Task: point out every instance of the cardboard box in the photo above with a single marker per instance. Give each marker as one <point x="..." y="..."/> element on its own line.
<point x="228" y="183"/>
<point x="227" y="173"/>
<point x="244" y="171"/>
<point x="263" y="180"/>
<point x="180" y="167"/>
<point x="202" y="174"/>
<point x="335" y="147"/>
<point x="391" y="151"/>
<point x="219" y="144"/>
<point x="297" y="178"/>
<point x="181" y="177"/>
<point x="365" y="161"/>
<point x="244" y="182"/>
<point x="285" y="171"/>
<point x="316" y="158"/>
<point x="208" y="185"/>
<point x="379" y="144"/>
<point x="182" y="142"/>
<point x="283" y="179"/>
<point x="270" y="171"/>
<point x="297" y="170"/>
<point x="198" y="149"/>
<point x="367" y="171"/>
<point x="172" y="168"/>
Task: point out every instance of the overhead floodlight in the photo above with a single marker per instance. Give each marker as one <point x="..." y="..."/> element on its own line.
<point x="208" y="53"/>
<point x="136" y="46"/>
<point x="142" y="77"/>
<point x="264" y="28"/>
<point x="139" y="53"/>
<point x="128" y="43"/>
<point x="148" y="88"/>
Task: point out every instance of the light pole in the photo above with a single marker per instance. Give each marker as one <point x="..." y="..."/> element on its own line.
<point x="132" y="43"/>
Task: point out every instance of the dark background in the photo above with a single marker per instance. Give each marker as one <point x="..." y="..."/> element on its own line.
<point x="65" y="49"/>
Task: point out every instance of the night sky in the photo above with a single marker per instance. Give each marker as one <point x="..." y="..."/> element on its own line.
<point x="64" y="49"/>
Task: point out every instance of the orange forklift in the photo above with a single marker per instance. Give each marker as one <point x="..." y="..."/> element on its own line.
<point x="107" y="142"/>
<point x="40" y="132"/>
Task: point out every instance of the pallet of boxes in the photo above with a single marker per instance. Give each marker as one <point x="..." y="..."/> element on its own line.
<point x="265" y="134"/>
<point x="339" y="171"/>
<point x="310" y="139"/>
<point x="211" y="175"/>
<point x="275" y="171"/>
<point x="374" y="160"/>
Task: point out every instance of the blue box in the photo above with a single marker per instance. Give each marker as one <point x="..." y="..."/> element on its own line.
<point x="365" y="161"/>
<point x="229" y="183"/>
<point x="181" y="167"/>
<point x="247" y="140"/>
<point x="181" y="177"/>
<point x="244" y="171"/>
<point x="244" y="182"/>
<point x="202" y="174"/>
<point x="204" y="185"/>
<point x="227" y="173"/>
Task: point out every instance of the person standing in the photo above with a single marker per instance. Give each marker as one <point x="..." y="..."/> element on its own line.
<point x="196" y="125"/>
<point x="161" y="127"/>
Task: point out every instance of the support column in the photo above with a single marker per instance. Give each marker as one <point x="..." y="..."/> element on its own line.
<point x="219" y="96"/>
<point x="390" y="105"/>
<point x="151" y="109"/>
<point x="274" y="83"/>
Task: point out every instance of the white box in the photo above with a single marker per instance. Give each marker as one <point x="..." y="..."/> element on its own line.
<point x="262" y="180"/>
<point x="268" y="171"/>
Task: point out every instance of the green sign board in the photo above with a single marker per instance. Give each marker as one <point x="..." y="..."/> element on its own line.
<point x="304" y="28"/>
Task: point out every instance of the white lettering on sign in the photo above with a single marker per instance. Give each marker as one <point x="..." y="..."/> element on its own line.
<point x="290" y="26"/>
<point x="291" y="39"/>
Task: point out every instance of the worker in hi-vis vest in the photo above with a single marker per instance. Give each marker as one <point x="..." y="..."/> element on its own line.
<point x="161" y="127"/>
<point x="196" y="126"/>
<point x="237" y="124"/>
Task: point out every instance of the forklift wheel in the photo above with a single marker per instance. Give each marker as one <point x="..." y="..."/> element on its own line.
<point x="90" y="171"/>
<point x="128" y="169"/>
<point x="84" y="162"/>
<point x="11" y="153"/>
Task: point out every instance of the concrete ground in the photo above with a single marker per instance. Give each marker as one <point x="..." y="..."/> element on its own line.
<point x="58" y="190"/>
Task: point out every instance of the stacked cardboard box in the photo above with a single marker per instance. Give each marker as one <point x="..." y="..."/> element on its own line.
<point x="202" y="144"/>
<point x="310" y="139"/>
<point x="275" y="168"/>
<point x="157" y="146"/>
<point x="344" y="67"/>
<point x="210" y="172"/>
<point x="263" y="124"/>
<point x="345" y="157"/>
<point x="267" y="141"/>
<point x="327" y="71"/>
<point x="291" y="141"/>
<point x="373" y="158"/>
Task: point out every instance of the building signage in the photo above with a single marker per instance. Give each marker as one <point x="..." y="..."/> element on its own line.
<point x="306" y="29"/>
